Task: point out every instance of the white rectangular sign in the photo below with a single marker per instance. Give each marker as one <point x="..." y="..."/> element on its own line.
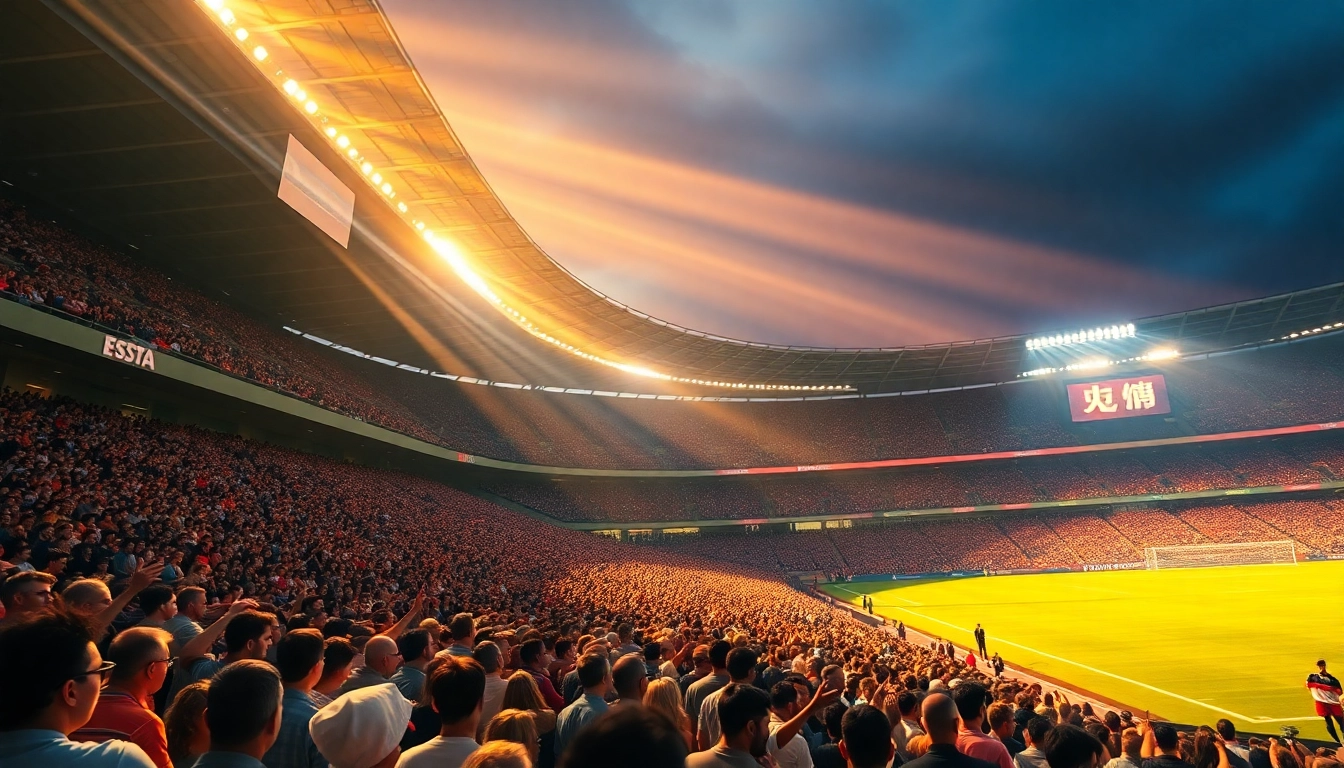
<point x="314" y="191"/>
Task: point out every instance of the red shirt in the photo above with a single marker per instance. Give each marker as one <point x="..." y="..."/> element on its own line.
<point x="987" y="748"/>
<point x="119" y="715"/>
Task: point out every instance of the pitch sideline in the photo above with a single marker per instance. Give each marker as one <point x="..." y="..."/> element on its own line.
<point x="1155" y="689"/>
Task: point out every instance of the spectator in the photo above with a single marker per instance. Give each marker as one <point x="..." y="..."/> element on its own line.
<point x="629" y="736"/>
<point x="243" y="713"/>
<point x="701" y="667"/>
<point x="630" y="679"/>
<point x="1237" y="754"/>
<point x="159" y="604"/>
<point x="1131" y="746"/>
<point x="381" y="658"/>
<point x="907" y="704"/>
<point x="514" y="725"/>
<point x="188" y="733"/>
<point x="462" y="629"/>
<point x="1161" y="746"/>
<point x="125" y="709"/>
<point x="417" y="649"/>
<point x="45" y="702"/>
<point x="522" y="693"/>
<point x="299" y="658"/>
<point x="1034" y="736"/>
<point x="1001" y="725"/>
<point x="744" y="722"/>
<point x="702" y="688"/>
<point x="361" y="729"/>
<point x="457" y="692"/>
<point x="190" y="611"/>
<point x="790" y="709"/>
<point x="338" y="657"/>
<point x="533" y="655"/>
<point x="741" y="667"/>
<point x="866" y="741"/>
<point x="1210" y="751"/>
<point x="940" y="718"/>
<point x="25" y="593"/>
<point x="664" y="696"/>
<point x="499" y="754"/>
<point x="1068" y="746"/>
<point x="247" y="635"/>
<point x="487" y="654"/>
<point x="595" y="677"/>
<point x="971" y="699"/>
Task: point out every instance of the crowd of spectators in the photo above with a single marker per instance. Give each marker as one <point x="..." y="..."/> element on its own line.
<point x="1148" y="471"/>
<point x="45" y="265"/>
<point x="1005" y="541"/>
<point x="173" y="596"/>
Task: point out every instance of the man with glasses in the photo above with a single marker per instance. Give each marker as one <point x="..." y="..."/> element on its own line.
<point x="126" y="708"/>
<point x="53" y="674"/>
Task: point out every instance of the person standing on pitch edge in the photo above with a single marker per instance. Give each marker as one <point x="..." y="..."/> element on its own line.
<point x="980" y="641"/>
<point x="1325" y="690"/>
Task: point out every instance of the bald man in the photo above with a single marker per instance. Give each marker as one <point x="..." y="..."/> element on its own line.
<point x="381" y="659"/>
<point x="630" y="679"/>
<point x="941" y="722"/>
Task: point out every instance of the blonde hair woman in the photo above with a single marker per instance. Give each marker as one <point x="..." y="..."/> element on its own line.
<point x="664" y="696"/>
<point x="499" y="754"/>
<point x="522" y="693"/>
<point x="517" y="726"/>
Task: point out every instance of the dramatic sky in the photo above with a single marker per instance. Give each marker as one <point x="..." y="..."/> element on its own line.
<point x="880" y="173"/>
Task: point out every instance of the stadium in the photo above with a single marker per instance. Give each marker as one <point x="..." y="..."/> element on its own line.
<point x="268" y="332"/>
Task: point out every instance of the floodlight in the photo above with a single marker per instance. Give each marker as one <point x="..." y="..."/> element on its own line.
<point x="260" y="53"/>
<point x="241" y="34"/>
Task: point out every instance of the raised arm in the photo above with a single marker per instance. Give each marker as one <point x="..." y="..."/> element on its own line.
<point x="145" y="575"/>
<point x="417" y="607"/>
<point x="823" y="698"/>
<point x="200" y="645"/>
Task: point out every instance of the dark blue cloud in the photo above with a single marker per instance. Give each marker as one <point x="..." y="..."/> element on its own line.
<point x="1196" y="140"/>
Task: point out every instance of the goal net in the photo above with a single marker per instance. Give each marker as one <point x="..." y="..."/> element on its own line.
<point x="1210" y="555"/>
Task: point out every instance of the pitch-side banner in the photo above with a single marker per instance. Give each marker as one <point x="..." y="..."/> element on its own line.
<point x="314" y="191"/>
<point x="1118" y="398"/>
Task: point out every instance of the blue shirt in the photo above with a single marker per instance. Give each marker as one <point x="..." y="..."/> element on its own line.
<point x="294" y="747"/>
<point x="37" y="748"/>
<point x="410" y="681"/>
<point x="573" y="718"/>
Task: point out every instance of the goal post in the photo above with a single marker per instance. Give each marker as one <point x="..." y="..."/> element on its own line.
<point x="1213" y="555"/>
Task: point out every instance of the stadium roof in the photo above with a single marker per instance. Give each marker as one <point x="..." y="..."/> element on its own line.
<point x="148" y="121"/>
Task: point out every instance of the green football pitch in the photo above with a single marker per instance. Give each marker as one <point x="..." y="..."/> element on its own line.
<point x="1189" y="645"/>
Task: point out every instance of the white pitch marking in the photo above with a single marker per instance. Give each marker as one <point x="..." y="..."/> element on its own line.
<point x="1152" y="688"/>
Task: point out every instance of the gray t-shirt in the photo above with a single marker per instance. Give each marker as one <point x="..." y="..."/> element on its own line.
<point x="699" y="691"/>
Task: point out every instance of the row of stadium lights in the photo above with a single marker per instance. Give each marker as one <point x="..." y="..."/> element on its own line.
<point x="1082" y="337"/>
<point x="1096" y="363"/>
<point x="448" y="250"/>
<point x="1311" y="331"/>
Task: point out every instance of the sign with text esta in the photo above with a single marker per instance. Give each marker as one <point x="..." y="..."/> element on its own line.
<point x="1118" y="398"/>
<point x="128" y="352"/>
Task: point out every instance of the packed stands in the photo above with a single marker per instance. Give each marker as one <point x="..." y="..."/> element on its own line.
<point x="46" y="266"/>
<point x="1004" y="541"/>
<point x="1140" y="472"/>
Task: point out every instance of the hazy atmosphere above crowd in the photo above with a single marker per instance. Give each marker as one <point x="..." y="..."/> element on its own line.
<point x="875" y="173"/>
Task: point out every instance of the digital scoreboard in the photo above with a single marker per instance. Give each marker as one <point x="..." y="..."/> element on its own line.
<point x="1118" y="398"/>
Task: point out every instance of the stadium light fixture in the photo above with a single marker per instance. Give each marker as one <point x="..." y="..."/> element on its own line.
<point x="1085" y="336"/>
<point x="448" y="250"/>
